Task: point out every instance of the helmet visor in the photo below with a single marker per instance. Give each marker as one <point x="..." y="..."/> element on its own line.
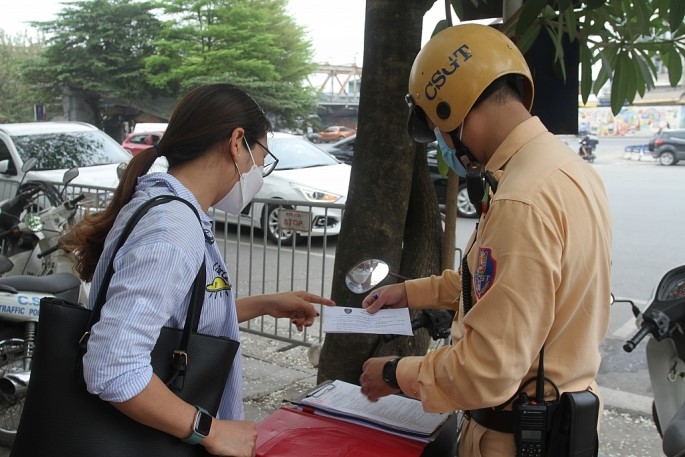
<point x="417" y="124"/>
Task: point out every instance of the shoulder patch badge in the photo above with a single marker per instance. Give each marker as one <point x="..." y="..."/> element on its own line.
<point x="485" y="271"/>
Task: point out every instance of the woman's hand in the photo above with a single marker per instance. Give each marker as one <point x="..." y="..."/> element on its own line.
<point x="391" y="296"/>
<point x="296" y="305"/>
<point x="231" y="438"/>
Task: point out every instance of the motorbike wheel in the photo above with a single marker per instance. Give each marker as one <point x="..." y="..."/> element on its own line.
<point x="11" y="406"/>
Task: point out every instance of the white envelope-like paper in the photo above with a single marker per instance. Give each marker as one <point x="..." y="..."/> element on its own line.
<point x="339" y="319"/>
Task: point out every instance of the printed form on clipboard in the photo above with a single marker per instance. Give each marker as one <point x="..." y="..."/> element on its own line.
<point x="394" y="414"/>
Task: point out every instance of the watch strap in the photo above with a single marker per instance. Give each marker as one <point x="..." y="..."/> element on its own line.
<point x="390" y="372"/>
<point x="196" y="436"/>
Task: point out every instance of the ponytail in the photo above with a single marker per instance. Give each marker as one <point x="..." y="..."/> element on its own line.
<point x="86" y="239"/>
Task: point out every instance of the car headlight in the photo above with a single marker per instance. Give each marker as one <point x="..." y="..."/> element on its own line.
<point x="317" y="195"/>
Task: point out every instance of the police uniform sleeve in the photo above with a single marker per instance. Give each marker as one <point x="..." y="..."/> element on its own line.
<point x="437" y="292"/>
<point x="516" y="272"/>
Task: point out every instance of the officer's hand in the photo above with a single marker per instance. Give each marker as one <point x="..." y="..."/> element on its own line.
<point x="371" y="380"/>
<point x="392" y="296"/>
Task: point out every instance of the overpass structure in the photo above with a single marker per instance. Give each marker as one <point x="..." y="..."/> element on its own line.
<point x="338" y="89"/>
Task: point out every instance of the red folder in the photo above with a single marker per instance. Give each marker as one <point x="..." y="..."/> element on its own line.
<point x="290" y="432"/>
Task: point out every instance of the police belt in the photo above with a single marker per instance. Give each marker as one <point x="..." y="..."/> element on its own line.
<point x="498" y="420"/>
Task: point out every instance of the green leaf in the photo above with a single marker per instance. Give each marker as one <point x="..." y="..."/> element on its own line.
<point x="529" y="13"/>
<point x="675" y="67"/>
<point x="440" y="26"/>
<point x="443" y="169"/>
<point x="595" y="4"/>
<point x="570" y="16"/>
<point x="647" y="68"/>
<point x="619" y="85"/>
<point x="458" y="9"/>
<point x="564" y="5"/>
<point x="585" y="73"/>
<point x="631" y="80"/>
<point x="676" y="14"/>
<point x="602" y="78"/>
<point x="525" y="41"/>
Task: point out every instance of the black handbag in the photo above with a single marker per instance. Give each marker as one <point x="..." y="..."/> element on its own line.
<point x="60" y="417"/>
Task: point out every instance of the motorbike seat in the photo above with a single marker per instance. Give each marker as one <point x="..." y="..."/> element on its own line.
<point x="61" y="285"/>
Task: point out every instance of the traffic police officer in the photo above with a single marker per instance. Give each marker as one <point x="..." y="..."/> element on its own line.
<point x="537" y="270"/>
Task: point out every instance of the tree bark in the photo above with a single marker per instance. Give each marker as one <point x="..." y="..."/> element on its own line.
<point x="391" y="211"/>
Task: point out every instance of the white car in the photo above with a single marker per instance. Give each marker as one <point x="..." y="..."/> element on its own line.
<point x="304" y="174"/>
<point x="58" y="146"/>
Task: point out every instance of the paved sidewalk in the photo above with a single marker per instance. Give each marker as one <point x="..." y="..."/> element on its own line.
<point x="273" y="371"/>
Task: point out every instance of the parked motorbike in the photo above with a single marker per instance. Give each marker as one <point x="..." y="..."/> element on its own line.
<point x="19" y="309"/>
<point x="32" y="266"/>
<point x="664" y="322"/>
<point x="31" y="224"/>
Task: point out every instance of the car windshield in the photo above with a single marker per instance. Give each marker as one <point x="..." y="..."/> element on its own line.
<point x="56" y="151"/>
<point x="295" y="153"/>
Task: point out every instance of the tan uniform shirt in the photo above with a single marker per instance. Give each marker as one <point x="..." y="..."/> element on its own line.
<point x="541" y="276"/>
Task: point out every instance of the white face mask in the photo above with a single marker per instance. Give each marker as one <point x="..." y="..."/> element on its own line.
<point x="244" y="190"/>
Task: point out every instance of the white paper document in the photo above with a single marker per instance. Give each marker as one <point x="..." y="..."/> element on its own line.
<point x="339" y="319"/>
<point x="394" y="413"/>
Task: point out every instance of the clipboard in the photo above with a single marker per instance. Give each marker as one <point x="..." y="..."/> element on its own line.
<point x="291" y="432"/>
<point x="396" y="414"/>
<point x="296" y="430"/>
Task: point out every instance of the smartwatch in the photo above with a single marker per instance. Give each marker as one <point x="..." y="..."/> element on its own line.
<point x="390" y="373"/>
<point x="201" y="425"/>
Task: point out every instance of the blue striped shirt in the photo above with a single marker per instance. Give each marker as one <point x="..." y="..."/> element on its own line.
<point x="153" y="274"/>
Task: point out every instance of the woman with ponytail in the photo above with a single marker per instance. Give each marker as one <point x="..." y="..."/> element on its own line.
<point x="215" y="145"/>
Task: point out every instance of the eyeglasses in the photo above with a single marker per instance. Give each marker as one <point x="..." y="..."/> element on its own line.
<point x="270" y="160"/>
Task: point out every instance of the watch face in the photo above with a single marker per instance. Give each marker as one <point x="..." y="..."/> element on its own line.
<point x="204" y="424"/>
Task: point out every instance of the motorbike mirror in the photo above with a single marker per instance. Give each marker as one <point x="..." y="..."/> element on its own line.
<point x="69" y="175"/>
<point x="121" y="168"/>
<point x="366" y="275"/>
<point x="29" y="164"/>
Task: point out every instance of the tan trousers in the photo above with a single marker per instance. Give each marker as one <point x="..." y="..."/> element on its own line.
<point x="478" y="441"/>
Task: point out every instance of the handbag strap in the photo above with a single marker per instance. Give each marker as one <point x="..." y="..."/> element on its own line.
<point x="192" y="321"/>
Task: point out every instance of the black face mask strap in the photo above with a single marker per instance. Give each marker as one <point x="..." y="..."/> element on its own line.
<point x="460" y="148"/>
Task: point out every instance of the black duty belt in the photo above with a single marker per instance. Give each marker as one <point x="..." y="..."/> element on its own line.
<point x="499" y="421"/>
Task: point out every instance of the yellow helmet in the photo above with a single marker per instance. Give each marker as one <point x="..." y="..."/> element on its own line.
<point x="453" y="69"/>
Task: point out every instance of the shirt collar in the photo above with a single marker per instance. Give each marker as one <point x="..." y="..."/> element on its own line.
<point x="164" y="183"/>
<point x="517" y="138"/>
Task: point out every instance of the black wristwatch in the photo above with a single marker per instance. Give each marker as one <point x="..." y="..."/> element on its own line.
<point x="390" y="372"/>
<point x="201" y="426"/>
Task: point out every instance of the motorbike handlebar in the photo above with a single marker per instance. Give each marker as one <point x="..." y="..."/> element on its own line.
<point x="47" y="252"/>
<point x="632" y="343"/>
<point x="74" y="201"/>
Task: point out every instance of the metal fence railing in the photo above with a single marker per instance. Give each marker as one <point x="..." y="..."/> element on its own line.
<point x="256" y="262"/>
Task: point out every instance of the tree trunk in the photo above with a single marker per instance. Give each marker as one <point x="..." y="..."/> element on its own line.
<point x="391" y="201"/>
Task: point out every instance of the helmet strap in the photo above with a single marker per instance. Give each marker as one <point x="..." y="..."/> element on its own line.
<point x="460" y="148"/>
